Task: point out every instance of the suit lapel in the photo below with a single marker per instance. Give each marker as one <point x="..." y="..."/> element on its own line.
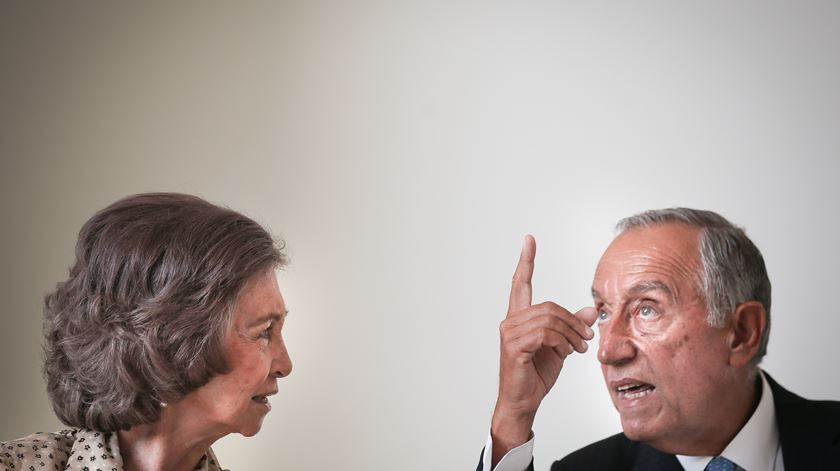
<point x="654" y="460"/>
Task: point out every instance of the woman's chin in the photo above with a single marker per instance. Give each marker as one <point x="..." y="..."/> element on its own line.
<point x="251" y="429"/>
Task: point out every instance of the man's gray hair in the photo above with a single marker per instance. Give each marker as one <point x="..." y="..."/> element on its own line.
<point x="732" y="270"/>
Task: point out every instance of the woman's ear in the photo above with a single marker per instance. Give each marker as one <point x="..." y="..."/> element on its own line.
<point x="747" y="326"/>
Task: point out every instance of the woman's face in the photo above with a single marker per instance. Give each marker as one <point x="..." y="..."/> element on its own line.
<point x="238" y="401"/>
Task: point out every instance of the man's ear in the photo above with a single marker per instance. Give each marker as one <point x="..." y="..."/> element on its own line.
<point x="747" y="323"/>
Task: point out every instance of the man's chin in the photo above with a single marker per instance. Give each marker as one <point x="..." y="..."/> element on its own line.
<point x="638" y="429"/>
<point x="647" y="432"/>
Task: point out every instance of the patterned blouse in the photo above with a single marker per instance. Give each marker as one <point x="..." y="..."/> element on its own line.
<point x="73" y="449"/>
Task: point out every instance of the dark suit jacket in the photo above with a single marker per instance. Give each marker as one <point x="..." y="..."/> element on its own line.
<point x="809" y="432"/>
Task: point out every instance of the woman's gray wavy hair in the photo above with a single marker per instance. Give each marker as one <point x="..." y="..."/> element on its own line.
<point x="733" y="269"/>
<point x="142" y="317"/>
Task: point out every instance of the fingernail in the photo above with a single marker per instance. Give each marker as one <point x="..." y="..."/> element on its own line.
<point x="589" y="331"/>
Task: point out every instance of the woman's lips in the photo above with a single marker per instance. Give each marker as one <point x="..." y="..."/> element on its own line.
<point x="262" y="401"/>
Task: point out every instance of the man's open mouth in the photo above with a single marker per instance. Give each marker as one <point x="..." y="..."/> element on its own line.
<point x="634" y="390"/>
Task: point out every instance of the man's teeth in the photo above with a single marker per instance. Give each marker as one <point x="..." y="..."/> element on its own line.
<point x="635" y="391"/>
<point x="262" y="399"/>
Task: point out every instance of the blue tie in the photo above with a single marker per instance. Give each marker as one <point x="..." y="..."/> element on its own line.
<point x="722" y="464"/>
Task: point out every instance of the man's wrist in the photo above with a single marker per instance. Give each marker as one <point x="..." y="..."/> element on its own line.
<point x="509" y="430"/>
<point x="517" y="459"/>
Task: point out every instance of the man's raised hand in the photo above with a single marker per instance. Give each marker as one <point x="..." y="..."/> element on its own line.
<point x="535" y="341"/>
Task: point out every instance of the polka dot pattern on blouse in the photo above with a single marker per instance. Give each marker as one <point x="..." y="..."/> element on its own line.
<point x="73" y="449"/>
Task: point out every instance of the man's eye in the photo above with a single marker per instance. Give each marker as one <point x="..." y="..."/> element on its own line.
<point x="647" y="311"/>
<point x="266" y="334"/>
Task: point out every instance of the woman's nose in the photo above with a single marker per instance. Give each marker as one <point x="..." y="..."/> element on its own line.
<point x="282" y="363"/>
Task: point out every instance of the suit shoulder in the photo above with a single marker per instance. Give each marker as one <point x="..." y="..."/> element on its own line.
<point x="831" y="407"/>
<point x="37" y="450"/>
<point x="613" y="452"/>
<point x="793" y="411"/>
<point x="809" y="431"/>
<point x="807" y="418"/>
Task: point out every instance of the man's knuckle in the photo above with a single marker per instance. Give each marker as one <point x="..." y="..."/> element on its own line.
<point x="547" y="321"/>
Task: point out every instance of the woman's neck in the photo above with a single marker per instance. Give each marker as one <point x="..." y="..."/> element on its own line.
<point x="176" y="441"/>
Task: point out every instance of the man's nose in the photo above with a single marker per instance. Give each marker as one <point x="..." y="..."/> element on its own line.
<point x="616" y="346"/>
<point x="281" y="365"/>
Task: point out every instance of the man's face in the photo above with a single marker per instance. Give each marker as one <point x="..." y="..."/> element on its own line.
<point x="664" y="366"/>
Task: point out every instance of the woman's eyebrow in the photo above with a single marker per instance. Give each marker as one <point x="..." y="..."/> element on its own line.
<point x="273" y="316"/>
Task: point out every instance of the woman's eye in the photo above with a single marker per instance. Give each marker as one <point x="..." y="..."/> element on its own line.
<point x="647" y="311"/>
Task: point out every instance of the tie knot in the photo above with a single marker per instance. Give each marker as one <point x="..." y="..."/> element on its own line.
<point x="722" y="464"/>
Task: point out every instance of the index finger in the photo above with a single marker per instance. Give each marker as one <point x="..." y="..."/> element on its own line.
<point x="520" y="288"/>
<point x="588" y="315"/>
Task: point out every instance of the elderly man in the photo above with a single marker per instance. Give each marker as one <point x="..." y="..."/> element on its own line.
<point x="682" y="302"/>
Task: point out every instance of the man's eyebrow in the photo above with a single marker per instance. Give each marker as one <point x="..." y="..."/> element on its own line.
<point x="273" y="316"/>
<point x="643" y="287"/>
<point x="653" y="285"/>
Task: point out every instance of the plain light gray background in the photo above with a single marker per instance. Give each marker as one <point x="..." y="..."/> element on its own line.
<point x="403" y="149"/>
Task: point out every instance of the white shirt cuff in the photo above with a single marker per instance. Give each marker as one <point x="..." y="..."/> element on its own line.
<point x="516" y="459"/>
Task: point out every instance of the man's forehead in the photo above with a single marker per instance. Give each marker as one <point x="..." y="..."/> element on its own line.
<point x="667" y="238"/>
<point x="662" y="254"/>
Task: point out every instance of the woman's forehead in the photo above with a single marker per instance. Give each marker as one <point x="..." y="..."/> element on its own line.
<point x="261" y="299"/>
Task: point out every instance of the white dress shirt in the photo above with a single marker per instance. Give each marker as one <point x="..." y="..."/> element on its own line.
<point x="756" y="447"/>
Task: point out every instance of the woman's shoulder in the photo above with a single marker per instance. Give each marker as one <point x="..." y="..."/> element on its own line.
<point x="82" y="449"/>
<point x="37" y="451"/>
<point x="79" y="448"/>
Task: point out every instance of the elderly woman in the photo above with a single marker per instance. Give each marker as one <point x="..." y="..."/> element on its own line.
<point x="165" y="337"/>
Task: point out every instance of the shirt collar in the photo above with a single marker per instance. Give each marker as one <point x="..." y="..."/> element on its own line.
<point x="755" y="445"/>
<point x="96" y="449"/>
